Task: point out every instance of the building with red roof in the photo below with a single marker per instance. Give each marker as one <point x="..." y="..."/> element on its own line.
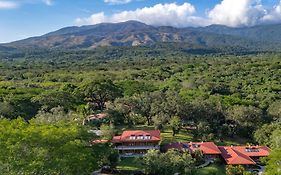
<point x="177" y="145"/>
<point x="208" y="149"/>
<point x="243" y="155"/>
<point x="233" y="155"/>
<point x="136" y="142"/>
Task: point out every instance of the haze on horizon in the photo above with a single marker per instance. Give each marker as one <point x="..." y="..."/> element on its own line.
<point x="20" y="19"/>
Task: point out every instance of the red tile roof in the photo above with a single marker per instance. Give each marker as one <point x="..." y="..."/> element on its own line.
<point x="261" y="151"/>
<point x="205" y="147"/>
<point x="242" y="154"/>
<point x="132" y="136"/>
<point x="177" y="145"/>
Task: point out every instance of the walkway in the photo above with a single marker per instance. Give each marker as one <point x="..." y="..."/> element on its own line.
<point x="207" y="162"/>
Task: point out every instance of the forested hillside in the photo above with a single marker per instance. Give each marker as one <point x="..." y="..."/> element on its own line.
<point x="134" y="33"/>
<point x="226" y="97"/>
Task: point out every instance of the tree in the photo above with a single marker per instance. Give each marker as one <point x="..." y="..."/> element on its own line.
<point x="198" y="154"/>
<point x="56" y="115"/>
<point x="61" y="148"/>
<point x="107" y="156"/>
<point x="276" y="139"/>
<point x="160" y="120"/>
<point x="144" y="106"/>
<point x="6" y="110"/>
<point x="264" y="133"/>
<point x="209" y="113"/>
<point x="175" y="123"/>
<point x="107" y="131"/>
<point x="168" y="163"/>
<point x="274" y="110"/>
<point x="273" y="163"/>
<point x="202" y="131"/>
<point x="246" y="119"/>
<point x="235" y="170"/>
<point x="52" y="99"/>
<point x="131" y="87"/>
<point x="100" y="91"/>
<point x="126" y="107"/>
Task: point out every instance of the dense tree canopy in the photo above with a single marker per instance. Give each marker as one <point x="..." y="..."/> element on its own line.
<point x="45" y="149"/>
<point x="101" y="91"/>
<point x="214" y="96"/>
<point x="274" y="163"/>
<point x="168" y="163"/>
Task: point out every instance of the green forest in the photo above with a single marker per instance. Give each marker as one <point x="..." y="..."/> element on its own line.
<point x="45" y="97"/>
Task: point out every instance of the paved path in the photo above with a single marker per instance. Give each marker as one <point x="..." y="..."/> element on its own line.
<point x="261" y="170"/>
<point x="208" y="162"/>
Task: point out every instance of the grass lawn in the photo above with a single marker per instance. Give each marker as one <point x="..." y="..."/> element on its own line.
<point x="131" y="164"/>
<point x="213" y="169"/>
<point x="182" y="136"/>
<point x="235" y="141"/>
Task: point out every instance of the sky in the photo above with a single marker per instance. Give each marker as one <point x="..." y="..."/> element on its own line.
<point x="20" y="19"/>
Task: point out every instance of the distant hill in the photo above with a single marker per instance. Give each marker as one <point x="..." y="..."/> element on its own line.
<point x="262" y="33"/>
<point x="6" y="49"/>
<point x="133" y="33"/>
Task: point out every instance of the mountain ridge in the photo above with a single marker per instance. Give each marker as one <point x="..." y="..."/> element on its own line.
<point x="134" y="33"/>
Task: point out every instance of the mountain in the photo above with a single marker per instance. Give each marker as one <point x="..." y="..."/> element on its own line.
<point x="133" y="33"/>
<point x="6" y="49"/>
<point x="262" y="33"/>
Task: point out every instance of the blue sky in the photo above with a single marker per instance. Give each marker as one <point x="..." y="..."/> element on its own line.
<point x="24" y="18"/>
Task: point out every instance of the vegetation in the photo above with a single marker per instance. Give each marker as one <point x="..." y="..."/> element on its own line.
<point x="168" y="163"/>
<point x="30" y="148"/>
<point x="44" y="99"/>
<point x="131" y="164"/>
<point x="235" y="170"/>
<point x="214" y="169"/>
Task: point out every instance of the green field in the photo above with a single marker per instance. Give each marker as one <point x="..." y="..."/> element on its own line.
<point x="182" y="136"/>
<point x="213" y="169"/>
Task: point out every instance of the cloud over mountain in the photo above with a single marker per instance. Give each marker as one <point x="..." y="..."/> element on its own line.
<point x="237" y="13"/>
<point x="228" y="12"/>
<point x="160" y="15"/>
<point x="274" y="15"/>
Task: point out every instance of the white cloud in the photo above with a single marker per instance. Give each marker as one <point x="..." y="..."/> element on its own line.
<point x="11" y="4"/>
<point x="48" y="2"/>
<point x="237" y="13"/>
<point x="8" y="5"/>
<point x="274" y="16"/>
<point x="117" y="1"/>
<point x="93" y="19"/>
<point x="160" y="15"/>
<point x="234" y="13"/>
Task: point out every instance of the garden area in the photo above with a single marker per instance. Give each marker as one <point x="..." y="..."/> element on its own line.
<point x="213" y="169"/>
<point x="130" y="164"/>
<point x="134" y="164"/>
